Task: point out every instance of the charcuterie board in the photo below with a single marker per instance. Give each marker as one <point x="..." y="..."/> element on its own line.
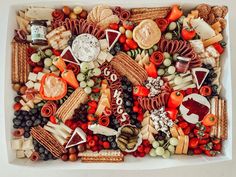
<point x="108" y="83"/>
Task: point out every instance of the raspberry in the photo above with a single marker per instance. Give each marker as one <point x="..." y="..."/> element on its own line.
<point x="147" y="150"/>
<point x="195" y="90"/>
<point x="142" y="154"/>
<point x="91" y="143"/>
<point x="95" y="137"/>
<point x="146" y="143"/>
<point x="89" y="138"/>
<point x="106" y="144"/>
<point x="140" y="148"/>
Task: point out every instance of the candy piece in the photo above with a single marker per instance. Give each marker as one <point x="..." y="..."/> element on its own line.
<point x="112" y="37"/>
<point x="78" y="137"/>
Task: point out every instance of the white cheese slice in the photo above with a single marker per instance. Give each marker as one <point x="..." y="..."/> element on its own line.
<point x="37" y="86"/>
<point x="30" y="104"/>
<point x="40" y="75"/>
<point x="109" y="57"/>
<point x="16" y="144"/>
<point x="20" y="154"/>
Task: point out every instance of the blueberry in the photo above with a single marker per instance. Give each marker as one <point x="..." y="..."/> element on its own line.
<point x="27" y="117"/>
<point x="27" y="129"/>
<point x="41" y="150"/>
<point x="113" y="145"/>
<point x="29" y="123"/>
<point x="16" y="126"/>
<point x="42" y="156"/>
<point x="24" y="113"/>
<point x="129" y="89"/>
<point x="23" y="124"/>
<point x="124" y="87"/>
<point x="34" y="110"/>
<point x="117" y="48"/>
<point x="128" y="110"/>
<point x="16" y="121"/>
<point x="35" y="142"/>
<point x="132" y="121"/>
<point x="128" y="103"/>
<point x="45" y="120"/>
<point x="37" y="122"/>
<point x="138" y="125"/>
<point x="46" y="152"/>
<point x="50" y="156"/>
<point x="20" y="117"/>
<point x="17" y="113"/>
<point x="26" y="134"/>
<point x="115" y="121"/>
<point x="104" y="138"/>
<point x="110" y="139"/>
<point x="112" y="51"/>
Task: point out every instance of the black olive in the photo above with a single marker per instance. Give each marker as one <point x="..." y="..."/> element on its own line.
<point x="26" y="134"/>
<point x="46" y="152"/>
<point x="129" y="89"/>
<point x="110" y="139"/>
<point x="132" y="121"/>
<point x="16" y="121"/>
<point x="117" y="48"/>
<point x="124" y="87"/>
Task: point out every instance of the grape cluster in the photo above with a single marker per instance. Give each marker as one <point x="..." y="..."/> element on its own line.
<point x="26" y="120"/>
<point x="80" y="114"/>
<point x="129" y="101"/>
<point x="44" y="154"/>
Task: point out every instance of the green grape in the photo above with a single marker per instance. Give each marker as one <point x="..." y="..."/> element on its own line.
<point x="153" y="153"/>
<point x="166" y="55"/>
<point x="47" y="62"/>
<point x="87" y="90"/>
<point x="155" y="144"/>
<point x="53" y="56"/>
<point x="97" y="71"/>
<point x="90" y="83"/>
<point x="172" y="26"/>
<point x="171" y="148"/>
<point x="174" y="141"/>
<point x="84" y="67"/>
<point x="160" y="151"/>
<point x="168" y="36"/>
<point x="175" y="56"/>
<point x="82" y="84"/>
<point x="48" y="52"/>
<point x="166" y="154"/>
<point x="53" y="68"/>
<point x="35" y="58"/>
<point x="161" y="142"/>
<point x="80" y="77"/>
<point x="171" y="69"/>
<point x="161" y="72"/>
<point x="167" y="62"/>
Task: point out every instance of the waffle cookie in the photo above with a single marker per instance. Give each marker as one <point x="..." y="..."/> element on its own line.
<point x="102" y="156"/>
<point x="139" y="14"/>
<point x="66" y="110"/>
<point x="20" y="67"/>
<point x="47" y="140"/>
<point x="126" y="66"/>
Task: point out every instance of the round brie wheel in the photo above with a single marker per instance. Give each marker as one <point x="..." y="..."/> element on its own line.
<point x="86" y="47"/>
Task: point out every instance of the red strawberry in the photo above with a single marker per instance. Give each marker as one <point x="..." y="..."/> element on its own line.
<point x="53" y="119"/>
<point x="122" y="39"/>
<point x="210" y="153"/>
<point x="183" y="124"/>
<point x="92" y="143"/>
<point x="189" y="91"/>
<point x="197" y="151"/>
<point x="93" y="104"/>
<point x="217" y="147"/>
<point x="187" y="130"/>
<point x="17" y="106"/>
<point x="142" y="154"/>
<point x="140" y="117"/>
<point x="146" y="143"/>
<point x="126" y="47"/>
<point x="203" y="141"/>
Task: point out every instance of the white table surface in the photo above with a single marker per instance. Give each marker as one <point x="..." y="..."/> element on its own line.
<point x="223" y="169"/>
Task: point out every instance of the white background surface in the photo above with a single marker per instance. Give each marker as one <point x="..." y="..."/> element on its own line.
<point x="226" y="169"/>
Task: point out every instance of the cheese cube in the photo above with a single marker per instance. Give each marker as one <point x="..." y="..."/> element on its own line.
<point x="20" y="154"/>
<point x="96" y="64"/>
<point x="16" y="144"/>
<point x="28" y="153"/>
<point x="37" y="86"/>
<point x="25" y="108"/>
<point x="197" y="45"/>
<point x="109" y="57"/>
<point x="27" y="144"/>
<point x="29" y="84"/>
<point x="102" y="56"/>
<point x="104" y="44"/>
<point x="40" y="75"/>
<point x="32" y="76"/>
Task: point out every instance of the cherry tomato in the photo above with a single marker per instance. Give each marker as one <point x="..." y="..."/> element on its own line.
<point x="114" y="26"/>
<point x="128" y="25"/>
<point x="197" y="151"/>
<point x="37" y="69"/>
<point x="183" y="124"/>
<point x="126" y="47"/>
<point x="217" y="147"/>
<point x="122" y="39"/>
<point x="131" y="43"/>
<point x="17" y="106"/>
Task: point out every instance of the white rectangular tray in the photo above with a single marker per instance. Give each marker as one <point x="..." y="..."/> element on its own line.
<point x="130" y="163"/>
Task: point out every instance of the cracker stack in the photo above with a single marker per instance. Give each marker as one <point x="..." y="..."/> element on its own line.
<point x="20" y="67"/>
<point x="182" y="147"/>
<point x="126" y="66"/>
<point x="218" y="107"/>
<point x="74" y="100"/>
<point x="139" y="14"/>
<point x="102" y="156"/>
